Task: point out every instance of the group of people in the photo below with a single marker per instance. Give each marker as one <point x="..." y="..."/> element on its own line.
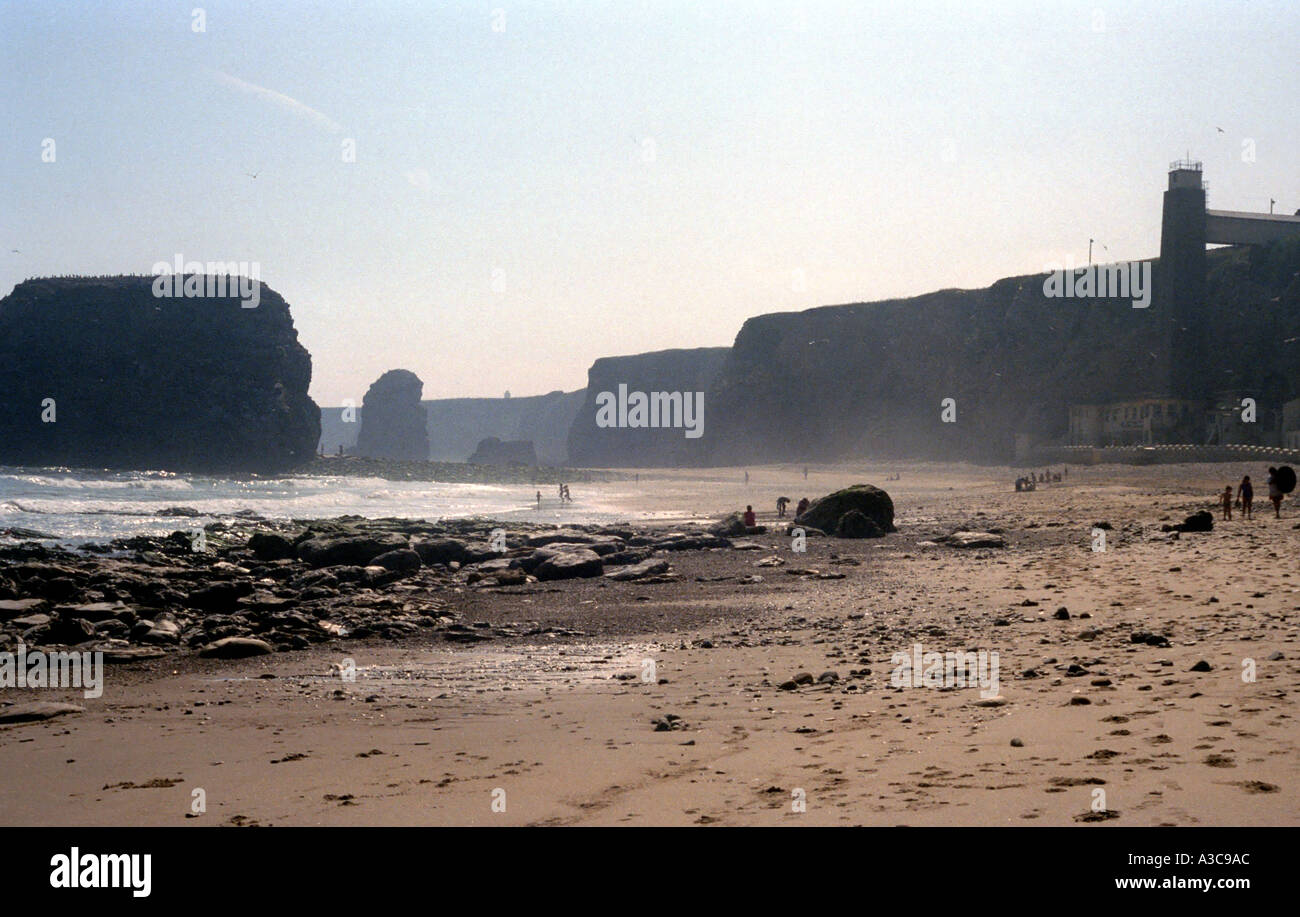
<point x="1033" y="479"/>
<point x="564" y="496"/>
<point x="1246" y="496"/>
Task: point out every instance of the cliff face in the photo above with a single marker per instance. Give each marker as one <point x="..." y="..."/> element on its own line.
<point x="393" y="424"/>
<point x="612" y="383"/>
<point x="456" y="425"/>
<point x="100" y="372"/>
<point x="870" y="379"/>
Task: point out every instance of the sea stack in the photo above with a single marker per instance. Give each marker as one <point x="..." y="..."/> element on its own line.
<point x="103" y="372"/>
<point x="393" y="421"/>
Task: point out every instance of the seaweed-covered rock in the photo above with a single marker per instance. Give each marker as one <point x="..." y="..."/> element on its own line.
<point x="871" y="502"/>
<point x="856" y="524"/>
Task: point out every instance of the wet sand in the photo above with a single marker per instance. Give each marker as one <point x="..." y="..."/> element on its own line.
<point x="563" y="730"/>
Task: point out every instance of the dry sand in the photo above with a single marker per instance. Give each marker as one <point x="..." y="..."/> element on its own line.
<point x="563" y="731"/>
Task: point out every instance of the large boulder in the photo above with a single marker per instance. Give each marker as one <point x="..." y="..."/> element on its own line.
<point x="857" y="524"/>
<point x="403" y="560"/>
<point x="100" y="371"/>
<point x="546" y="552"/>
<point x="350" y="550"/>
<point x="442" y="551"/>
<point x="393" y="421"/>
<point x="734" y="525"/>
<point x="871" y="502"/>
<point x="494" y="451"/>
<point x="270" y="546"/>
<point x="578" y="562"/>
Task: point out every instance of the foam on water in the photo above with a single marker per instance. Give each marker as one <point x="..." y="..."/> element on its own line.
<point x="79" y="506"/>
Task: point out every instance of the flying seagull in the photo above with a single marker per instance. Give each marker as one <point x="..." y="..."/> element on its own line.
<point x="1220" y="130"/>
<point x="251" y="174"/>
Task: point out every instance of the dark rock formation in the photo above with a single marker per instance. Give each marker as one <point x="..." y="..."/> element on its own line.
<point x="870" y="378"/>
<point x="857" y="524"/>
<point x="828" y="513"/>
<point x="685" y="372"/>
<point x="358" y="550"/>
<point x="1200" y="521"/>
<point x="493" y="451"/>
<point x="393" y="424"/>
<point x="134" y="380"/>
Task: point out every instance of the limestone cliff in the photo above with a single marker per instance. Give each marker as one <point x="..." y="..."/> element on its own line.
<point x="100" y="372"/>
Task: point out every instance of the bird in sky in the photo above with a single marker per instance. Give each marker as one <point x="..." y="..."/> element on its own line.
<point x="251" y="174"/>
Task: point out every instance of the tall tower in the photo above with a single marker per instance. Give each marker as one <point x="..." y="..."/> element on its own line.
<point x="1180" y="282"/>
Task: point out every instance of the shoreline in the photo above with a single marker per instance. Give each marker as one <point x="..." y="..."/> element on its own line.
<point x="432" y="727"/>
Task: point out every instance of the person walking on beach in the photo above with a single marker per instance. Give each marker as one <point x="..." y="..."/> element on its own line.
<point x="746" y="477"/>
<point x="539" y="499"/>
<point x="780" y="506"/>
<point x="1275" y="493"/>
<point x="1225" y="499"/>
<point x="1245" y="496"/>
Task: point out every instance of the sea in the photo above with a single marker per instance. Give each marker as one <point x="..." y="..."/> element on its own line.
<point x="74" y="507"/>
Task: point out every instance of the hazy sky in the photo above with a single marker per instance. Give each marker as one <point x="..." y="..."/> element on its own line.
<point x="632" y="175"/>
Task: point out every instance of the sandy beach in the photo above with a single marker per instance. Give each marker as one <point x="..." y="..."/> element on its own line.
<point x="670" y="703"/>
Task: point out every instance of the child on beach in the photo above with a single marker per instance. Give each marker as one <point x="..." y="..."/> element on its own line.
<point x="1245" y="496"/>
<point x="749" y="518"/>
<point x="1225" y="498"/>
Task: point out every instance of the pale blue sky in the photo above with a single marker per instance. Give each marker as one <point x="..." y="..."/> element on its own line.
<point x="876" y="149"/>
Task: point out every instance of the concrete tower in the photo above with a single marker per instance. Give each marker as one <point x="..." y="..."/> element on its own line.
<point x="1180" y="282"/>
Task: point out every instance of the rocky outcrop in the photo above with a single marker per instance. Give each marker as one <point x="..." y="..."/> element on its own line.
<point x="660" y="437"/>
<point x="392" y="419"/>
<point x="100" y="372"/>
<point x="493" y="451"/>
